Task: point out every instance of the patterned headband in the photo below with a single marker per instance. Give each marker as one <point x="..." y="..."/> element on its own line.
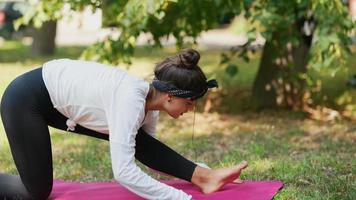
<point x="175" y="91"/>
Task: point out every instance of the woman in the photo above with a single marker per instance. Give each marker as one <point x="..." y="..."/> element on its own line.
<point x="104" y="102"/>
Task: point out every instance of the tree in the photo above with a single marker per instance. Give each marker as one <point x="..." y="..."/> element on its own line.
<point x="44" y="39"/>
<point x="42" y="16"/>
<point x="300" y="34"/>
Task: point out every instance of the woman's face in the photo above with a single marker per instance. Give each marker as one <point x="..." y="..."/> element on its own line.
<point x="176" y="106"/>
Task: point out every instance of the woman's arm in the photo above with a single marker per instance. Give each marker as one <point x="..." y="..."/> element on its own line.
<point x="125" y="112"/>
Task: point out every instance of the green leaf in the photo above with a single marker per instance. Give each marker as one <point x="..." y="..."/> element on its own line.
<point x="231" y="69"/>
<point x="224" y="58"/>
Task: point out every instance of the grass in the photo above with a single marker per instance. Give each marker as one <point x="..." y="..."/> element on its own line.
<point x="315" y="160"/>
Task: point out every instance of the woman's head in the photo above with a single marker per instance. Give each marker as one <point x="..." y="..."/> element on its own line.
<point x="182" y="71"/>
<point x="182" y="81"/>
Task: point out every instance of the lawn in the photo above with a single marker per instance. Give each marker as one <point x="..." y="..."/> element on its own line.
<point x="315" y="160"/>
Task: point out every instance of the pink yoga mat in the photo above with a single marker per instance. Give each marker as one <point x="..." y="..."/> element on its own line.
<point x="249" y="190"/>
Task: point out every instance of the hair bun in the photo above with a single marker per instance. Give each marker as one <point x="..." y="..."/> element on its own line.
<point x="188" y="58"/>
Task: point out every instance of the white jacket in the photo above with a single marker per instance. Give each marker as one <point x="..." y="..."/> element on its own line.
<point x="110" y="101"/>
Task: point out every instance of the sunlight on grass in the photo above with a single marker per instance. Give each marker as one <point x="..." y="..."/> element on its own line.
<point x="262" y="165"/>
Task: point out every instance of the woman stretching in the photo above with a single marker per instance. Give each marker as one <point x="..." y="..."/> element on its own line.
<point x="107" y="103"/>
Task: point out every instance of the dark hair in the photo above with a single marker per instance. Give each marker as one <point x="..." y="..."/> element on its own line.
<point x="182" y="71"/>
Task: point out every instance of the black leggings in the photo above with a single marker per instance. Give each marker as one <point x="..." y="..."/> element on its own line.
<point x="26" y="111"/>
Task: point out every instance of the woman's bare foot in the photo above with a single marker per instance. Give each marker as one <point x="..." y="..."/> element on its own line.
<point x="211" y="180"/>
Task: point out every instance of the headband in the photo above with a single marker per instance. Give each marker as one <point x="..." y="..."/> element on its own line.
<point x="175" y="91"/>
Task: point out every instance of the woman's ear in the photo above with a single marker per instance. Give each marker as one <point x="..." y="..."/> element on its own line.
<point x="166" y="97"/>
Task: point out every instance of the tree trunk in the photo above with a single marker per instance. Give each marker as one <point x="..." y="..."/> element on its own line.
<point x="44" y="39"/>
<point x="277" y="82"/>
<point x="263" y="95"/>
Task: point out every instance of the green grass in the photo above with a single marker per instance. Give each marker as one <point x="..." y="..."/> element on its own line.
<point x="315" y="160"/>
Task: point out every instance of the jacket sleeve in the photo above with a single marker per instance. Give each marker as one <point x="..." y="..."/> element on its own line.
<point x="125" y="112"/>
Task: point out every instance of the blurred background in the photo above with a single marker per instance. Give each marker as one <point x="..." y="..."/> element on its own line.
<point x="286" y="71"/>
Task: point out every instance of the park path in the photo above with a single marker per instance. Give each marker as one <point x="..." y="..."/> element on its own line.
<point x="88" y="31"/>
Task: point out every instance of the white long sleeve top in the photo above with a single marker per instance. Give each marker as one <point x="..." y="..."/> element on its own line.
<point x="110" y="101"/>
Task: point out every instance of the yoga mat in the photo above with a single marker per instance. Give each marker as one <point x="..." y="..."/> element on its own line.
<point x="249" y="190"/>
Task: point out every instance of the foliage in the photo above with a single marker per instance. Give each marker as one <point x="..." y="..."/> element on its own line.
<point x="158" y="18"/>
<point x="299" y="38"/>
<point x="331" y="33"/>
<point x="184" y="18"/>
<point x="285" y="24"/>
